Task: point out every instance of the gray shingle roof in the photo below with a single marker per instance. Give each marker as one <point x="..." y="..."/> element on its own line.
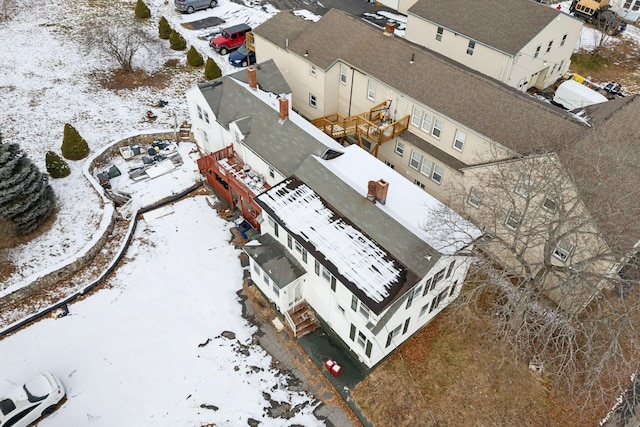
<point x="493" y="109"/>
<point x="507" y="25"/>
<point x="277" y="262"/>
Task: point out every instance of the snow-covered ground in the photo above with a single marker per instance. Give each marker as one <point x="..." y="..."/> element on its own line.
<point x="149" y="350"/>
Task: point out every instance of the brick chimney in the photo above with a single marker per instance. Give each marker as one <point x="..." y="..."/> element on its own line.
<point x="382" y="188"/>
<point x="389" y="28"/>
<point x="253" y="78"/>
<point x="284" y="108"/>
<point x="371" y="191"/>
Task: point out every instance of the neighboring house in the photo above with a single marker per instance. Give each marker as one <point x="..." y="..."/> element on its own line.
<point x="521" y="43"/>
<point x="341" y="233"/>
<point x="459" y="120"/>
<point x="627" y="9"/>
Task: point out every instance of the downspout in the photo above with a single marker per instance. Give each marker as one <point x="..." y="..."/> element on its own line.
<point x="351" y="92"/>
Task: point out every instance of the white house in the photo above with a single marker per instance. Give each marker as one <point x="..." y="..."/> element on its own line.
<point x="342" y="235"/>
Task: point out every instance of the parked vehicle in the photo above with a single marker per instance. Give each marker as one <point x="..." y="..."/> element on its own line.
<point x="26" y="404"/>
<point x="597" y="12"/>
<point x="230" y="38"/>
<point x="191" y="6"/>
<point x="242" y="57"/>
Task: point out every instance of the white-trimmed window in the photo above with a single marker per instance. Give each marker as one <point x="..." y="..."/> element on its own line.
<point x="418" y="183"/>
<point x="312" y="70"/>
<point x="437" y="174"/>
<point x="437" y="128"/>
<point x="439" y="33"/>
<point x="364" y="310"/>
<point x="524" y="185"/>
<point x="415" y="160"/>
<point x="326" y="274"/>
<point x="512" y="221"/>
<point x="272" y="172"/>
<point x="371" y="90"/>
<point x="416" y="116"/>
<point x="343" y="74"/>
<point x="388" y="163"/>
<point x="298" y="246"/>
<point x="563" y="40"/>
<point x="426" y="123"/>
<point x="549" y="47"/>
<point x="550" y="202"/>
<point x="458" y="142"/>
<point x="394" y="333"/>
<point x="475" y="197"/>
<point x="399" y="149"/>
<point x="563" y="251"/>
<point x="206" y="116"/>
<point x="470" y="47"/>
<point x="537" y="52"/>
<point x="199" y="112"/>
<point x="362" y="339"/>
<point x="313" y="101"/>
<point x="426" y="167"/>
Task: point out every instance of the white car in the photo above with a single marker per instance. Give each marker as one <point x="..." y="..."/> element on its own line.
<point x="36" y="398"/>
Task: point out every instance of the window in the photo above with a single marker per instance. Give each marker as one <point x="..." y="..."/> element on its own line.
<point x="470" y="47"/>
<point x="275" y="290"/>
<point x="333" y="285"/>
<point x="438" y="171"/>
<point x="437" y="300"/>
<point x="427" y="286"/>
<point x="475" y="197"/>
<point x="362" y="340"/>
<point x="563" y="40"/>
<point x="352" y="332"/>
<point x="317" y="267"/>
<point x="415" y="160"/>
<point x="276" y="230"/>
<point x="450" y="269"/>
<point x="206" y="116"/>
<point x="304" y="255"/>
<point x="537" y="52"/>
<point x="406" y="326"/>
<point x="354" y="303"/>
<point x="437" y="128"/>
<point x="399" y="150"/>
<point x="426" y="123"/>
<point x="272" y="172"/>
<point x="271" y="222"/>
<point x="364" y="310"/>
<point x="549" y="47"/>
<point x="427" y="164"/>
<point x="368" y="349"/>
<point x="392" y="335"/>
<point x="458" y="142"/>
<point x="341" y="309"/>
<point x="416" y="116"/>
<point x="512" y="221"/>
<point x="438" y="276"/>
<point x="289" y="241"/>
<point x="439" y="33"/>
<point x="326" y="275"/>
<point x="298" y="247"/>
<point x="550" y="202"/>
<point x="563" y="251"/>
<point x="524" y="185"/>
<point x="312" y="70"/>
<point x="313" y="101"/>
<point x="343" y="74"/>
<point x="423" y="310"/>
<point x="199" y="112"/>
<point x="388" y="163"/>
<point x="453" y="288"/>
<point x="256" y="269"/>
<point x="371" y="91"/>
<point x="418" y="183"/>
<point x="412" y="294"/>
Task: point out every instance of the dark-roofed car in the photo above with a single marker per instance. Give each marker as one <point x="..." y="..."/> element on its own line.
<point x="230" y="38"/>
<point x="34" y="399"/>
<point x="242" y="58"/>
<point x="191" y="6"/>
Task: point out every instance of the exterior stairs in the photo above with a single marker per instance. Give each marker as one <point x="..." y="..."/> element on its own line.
<point x="303" y="318"/>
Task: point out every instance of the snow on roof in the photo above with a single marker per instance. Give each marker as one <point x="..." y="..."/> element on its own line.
<point x="406" y="203"/>
<point x="356" y="256"/>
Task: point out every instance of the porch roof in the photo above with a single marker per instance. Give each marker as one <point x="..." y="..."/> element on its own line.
<point x="275" y="260"/>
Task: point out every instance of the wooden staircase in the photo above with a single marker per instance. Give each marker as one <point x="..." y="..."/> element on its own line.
<point x="304" y="319"/>
<point x="372" y="126"/>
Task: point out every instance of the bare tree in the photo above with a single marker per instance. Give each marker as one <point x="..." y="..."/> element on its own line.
<point x="118" y="37"/>
<point x="551" y="279"/>
<point x="6" y="7"/>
